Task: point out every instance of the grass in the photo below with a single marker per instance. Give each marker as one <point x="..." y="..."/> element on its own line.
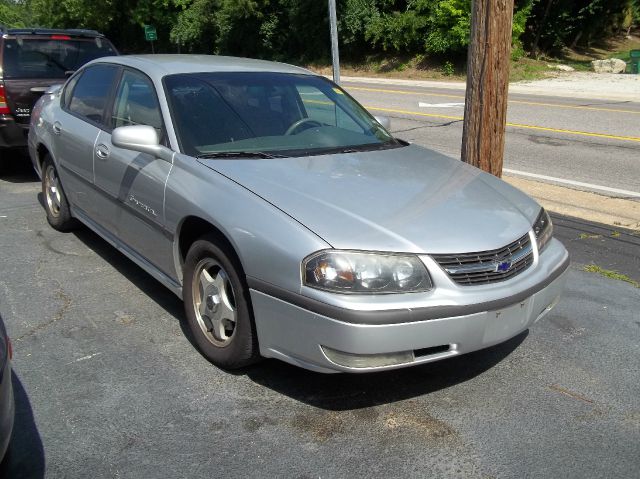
<point x="607" y="273"/>
<point x="528" y="69"/>
<point x="421" y="67"/>
<point x="620" y="48"/>
<point x="588" y="236"/>
<point x="418" y="67"/>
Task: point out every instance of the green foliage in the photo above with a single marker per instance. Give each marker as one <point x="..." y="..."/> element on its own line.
<point x="12" y="14"/>
<point x="556" y="24"/>
<point x="297" y="30"/>
<point x="449" y="25"/>
<point x="399" y="31"/>
<point x="448" y="69"/>
<point x="520" y="16"/>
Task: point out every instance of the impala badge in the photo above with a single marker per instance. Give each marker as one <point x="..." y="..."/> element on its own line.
<point x="142" y="206"/>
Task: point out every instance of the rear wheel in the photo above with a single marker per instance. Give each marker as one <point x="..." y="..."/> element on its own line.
<point x="55" y="201"/>
<point x="218" y="307"/>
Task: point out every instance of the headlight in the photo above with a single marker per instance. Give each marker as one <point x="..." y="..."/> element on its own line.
<point x="543" y="229"/>
<point x="362" y="272"/>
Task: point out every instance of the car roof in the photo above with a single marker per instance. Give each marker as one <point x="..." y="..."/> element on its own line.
<point x="161" y="65"/>
<point x="74" y="32"/>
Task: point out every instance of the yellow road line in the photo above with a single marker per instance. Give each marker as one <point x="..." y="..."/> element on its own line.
<point x="575" y="107"/>
<point x="521" y="102"/>
<point x="318" y="102"/>
<point x="418" y="113"/>
<point x="402" y="92"/>
<point x="576" y="132"/>
<point x="514" y="125"/>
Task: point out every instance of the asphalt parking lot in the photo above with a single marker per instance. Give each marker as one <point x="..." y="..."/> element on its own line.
<point x="108" y="383"/>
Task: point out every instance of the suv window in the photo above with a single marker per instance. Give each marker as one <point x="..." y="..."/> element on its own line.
<point x="91" y="92"/>
<point x="136" y="102"/>
<point x="50" y="58"/>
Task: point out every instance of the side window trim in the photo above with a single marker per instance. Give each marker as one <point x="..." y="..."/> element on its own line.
<point x="69" y="87"/>
<point x="108" y="106"/>
<point x="109" y="97"/>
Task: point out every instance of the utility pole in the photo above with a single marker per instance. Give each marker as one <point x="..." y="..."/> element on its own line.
<point x="485" y="111"/>
<point x="335" y="56"/>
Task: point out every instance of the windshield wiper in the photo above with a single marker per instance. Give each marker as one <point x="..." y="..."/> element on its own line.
<point x="240" y="154"/>
<point x="365" y="147"/>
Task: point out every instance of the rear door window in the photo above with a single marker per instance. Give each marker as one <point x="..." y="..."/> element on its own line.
<point x="50" y="57"/>
<point x="91" y="92"/>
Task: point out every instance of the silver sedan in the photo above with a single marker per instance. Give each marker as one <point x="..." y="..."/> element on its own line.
<point x="289" y="220"/>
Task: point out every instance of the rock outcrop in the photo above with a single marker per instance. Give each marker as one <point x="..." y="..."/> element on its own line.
<point x="612" y="65"/>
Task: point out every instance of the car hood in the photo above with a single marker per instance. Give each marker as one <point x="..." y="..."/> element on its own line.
<point x="407" y="199"/>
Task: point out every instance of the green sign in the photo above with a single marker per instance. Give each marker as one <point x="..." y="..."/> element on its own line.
<point x="150" y="33"/>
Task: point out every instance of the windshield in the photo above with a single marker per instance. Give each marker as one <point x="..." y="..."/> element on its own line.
<point x="50" y="58"/>
<point x="275" y="113"/>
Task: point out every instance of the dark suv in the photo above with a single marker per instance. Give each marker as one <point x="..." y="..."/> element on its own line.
<point x="32" y="60"/>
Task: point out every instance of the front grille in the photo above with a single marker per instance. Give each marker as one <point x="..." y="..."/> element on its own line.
<point x="488" y="266"/>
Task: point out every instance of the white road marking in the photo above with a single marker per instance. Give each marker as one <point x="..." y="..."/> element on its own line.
<point x="84" y="358"/>
<point x="591" y="186"/>
<point x="439" y="105"/>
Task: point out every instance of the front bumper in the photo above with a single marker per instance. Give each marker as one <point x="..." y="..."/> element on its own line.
<point x="325" y="344"/>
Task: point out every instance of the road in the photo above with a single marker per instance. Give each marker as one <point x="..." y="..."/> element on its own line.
<point x="108" y="384"/>
<point x="595" y="142"/>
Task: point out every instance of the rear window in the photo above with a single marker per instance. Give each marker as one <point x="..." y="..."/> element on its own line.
<point x="50" y="58"/>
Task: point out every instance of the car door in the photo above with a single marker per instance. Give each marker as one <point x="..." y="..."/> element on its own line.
<point x="134" y="182"/>
<point x="76" y="126"/>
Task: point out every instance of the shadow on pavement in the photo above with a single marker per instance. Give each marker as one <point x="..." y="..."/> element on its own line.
<point x="141" y="279"/>
<point x="342" y="392"/>
<point x="18" y="169"/>
<point x="25" y="457"/>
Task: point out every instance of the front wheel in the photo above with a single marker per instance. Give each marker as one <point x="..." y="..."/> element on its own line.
<point x="218" y="306"/>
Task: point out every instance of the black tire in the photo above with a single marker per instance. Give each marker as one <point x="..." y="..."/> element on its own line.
<point x="226" y="342"/>
<point x="55" y="201"/>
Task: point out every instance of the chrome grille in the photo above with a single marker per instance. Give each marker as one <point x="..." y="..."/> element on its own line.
<point x="488" y="266"/>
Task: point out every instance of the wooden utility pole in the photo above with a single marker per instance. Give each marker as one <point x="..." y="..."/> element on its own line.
<point x="485" y="111"/>
<point x="335" y="55"/>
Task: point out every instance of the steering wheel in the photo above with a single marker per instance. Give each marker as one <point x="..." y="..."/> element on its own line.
<point x="300" y="122"/>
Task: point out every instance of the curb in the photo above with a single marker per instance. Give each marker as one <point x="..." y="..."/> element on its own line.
<point x="617" y="212"/>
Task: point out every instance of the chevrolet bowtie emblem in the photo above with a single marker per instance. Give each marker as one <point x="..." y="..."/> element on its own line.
<point x="503" y="266"/>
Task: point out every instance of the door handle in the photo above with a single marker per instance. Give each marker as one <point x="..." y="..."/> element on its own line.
<point x="102" y="151"/>
<point x="57" y="128"/>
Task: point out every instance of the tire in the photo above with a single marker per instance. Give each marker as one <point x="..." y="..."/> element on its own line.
<point x="218" y="306"/>
<point x="55" y="201"/>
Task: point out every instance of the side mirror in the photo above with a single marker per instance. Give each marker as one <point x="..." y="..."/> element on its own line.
<point x="142" y="138"/>
<point x="385" y="121"/>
